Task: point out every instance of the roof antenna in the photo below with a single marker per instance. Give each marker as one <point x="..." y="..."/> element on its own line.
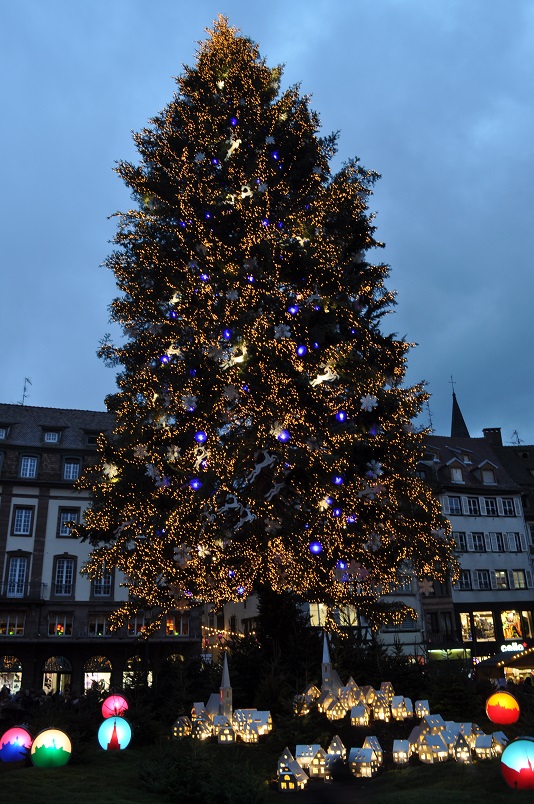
<point x="25" y="393"/>
<point x="515" y="439"/>
<point x="430" y="422"/>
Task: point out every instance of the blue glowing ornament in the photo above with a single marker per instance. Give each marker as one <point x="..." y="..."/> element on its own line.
<point x="316" y="548"/>
<point x="204" y="277"/>
<point x="233" y="121"/>
<point x="280" y="224"/>
<point x="293" y="309"/>
<point x="341" y="565"/>
<point x="329" y="500"/>
<point x="207" y="215"/>
<point x="337" y="480"/>
<point x="336" y="512"/>
<point x="250" y="278"/>
<point x="341" y="416"/>
<point x="193" y="373"/>
<point x="351" y="519"/>
<point x="227" y="334"/>
<point x="240" y="590"/>
<point x="182" y="224"/>
<point x="265" y="222"/>
<point x="164" y="359"/>
<point x="315" y="345"/>
<point x="172" y="314"/>
<point x="301" y="350"/>
<point x="201" y="437"/>
<point x="214" y="161"/>
<point x="284" y="435"/>
<point x="195" y="484"/>
<point x="274" y="154"/>
<point x="114" y="734"/>
<point x="231" y="573"/>
<point x="245" y="388"/>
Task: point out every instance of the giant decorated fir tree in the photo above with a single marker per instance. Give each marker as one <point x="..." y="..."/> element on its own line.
<point x="263" y="433"/>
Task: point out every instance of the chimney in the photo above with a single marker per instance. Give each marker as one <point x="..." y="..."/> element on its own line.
<point x="493" y="435"/>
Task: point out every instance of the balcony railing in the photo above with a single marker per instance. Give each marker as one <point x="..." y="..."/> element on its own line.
<point x="32" y="591"/>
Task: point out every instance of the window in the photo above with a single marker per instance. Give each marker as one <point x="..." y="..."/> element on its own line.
<point x="464" y="581"/>
<point x="64" y="577"/>
<point x="519" y="579"/>
<point x="488" y="477"/>
<point x="12" y="623"/>
<point x="491" y="506"/>
<point x="511" y="625"/>
<point x="409" y="624"/>
<point x="51" y="437"/>
<point x="498" y="542"/>
<point x="508" y="506"/>
<point x="66" y="516"/>
<point x="479" y="545"/>
<point x="473" y="508"/>
<point x="60" y="624"/>
<point x="482" y="579"/>
<point x="136" y="625"/>
<point x="91" y="439"/>
<point x="71" y="469"/>
<point x="484" y="627"/>
<point x="102" y="586"/>
<point x="177" y="624"/>
<point x="3" y="432"/>
<point x="98" y="625"/>
<point x="514" y="544"/>
<point x="28" y="466"/>
<point x="465" y="625"/>
<point x="421" y="472"/>
<point x="318" y="612"/>
<point x="457" y="476"/>
<point x="528" y="628"/>
<point x="455" y="506"/>
<point x="459" y="538"/>
<point x="501" y="579"/>
<point x="16" y="576"/>
<point x="22" y="521"/>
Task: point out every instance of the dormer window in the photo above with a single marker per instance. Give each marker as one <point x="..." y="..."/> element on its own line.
<point x="457" y="476"/>
<point x="4" y="431"/>
<point x="51" y="437"/>
<point x="488" y="477"/>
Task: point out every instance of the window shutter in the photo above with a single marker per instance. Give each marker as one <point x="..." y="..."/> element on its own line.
<point x="476" y="584"/>
<point x="518" y="507"/>
<point x="493" y="539"/>
<point x="511" y="584"/>
<point x="512" y="544"/>
<point x="445" y="504"/>
<point x="465" y="509"/>
<point x="505" y="542"/>
<point x="528" y="578"/>
<point x="482" y="504"/>
<point x="469" y="542"/>
<point x="523" y="541"/>
<point x="500" y="509"/>
<point x="493" y="579"/>
<point x="488" y="542"/>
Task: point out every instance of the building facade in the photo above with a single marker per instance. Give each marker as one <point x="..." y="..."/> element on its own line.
<point x="54" y="632"/>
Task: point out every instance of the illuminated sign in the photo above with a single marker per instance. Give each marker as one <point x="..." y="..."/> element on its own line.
<point x="513" y="647"/>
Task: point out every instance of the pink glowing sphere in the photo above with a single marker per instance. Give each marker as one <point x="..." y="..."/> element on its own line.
<point x="114" y="706"/>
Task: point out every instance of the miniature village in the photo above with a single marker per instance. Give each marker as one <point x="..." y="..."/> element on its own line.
<point x="432" y="739"/>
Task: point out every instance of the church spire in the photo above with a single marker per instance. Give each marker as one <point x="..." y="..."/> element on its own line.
<point x="458" y="425"/>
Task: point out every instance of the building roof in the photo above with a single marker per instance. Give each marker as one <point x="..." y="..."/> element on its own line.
<point x="472" y="454"/>
<point x="458" y="425"/>
<point x="28" y="423"/>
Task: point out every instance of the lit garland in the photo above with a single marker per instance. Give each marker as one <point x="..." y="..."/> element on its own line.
<point x="262" y="431"/>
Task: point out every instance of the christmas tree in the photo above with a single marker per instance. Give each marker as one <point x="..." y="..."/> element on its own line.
<point x="263" y="434"/>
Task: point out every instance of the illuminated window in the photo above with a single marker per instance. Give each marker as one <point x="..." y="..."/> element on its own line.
<point x="12" y="623"/>
<point x="318" y="613"/>
<point x="484" y="627"/>
<point x="501" y="579"/>
<point x="519" y="579"/>
<point x="465" y="624"/>
<point x="98" y="625"/>
<point x="177" y="624"/>
<point x="511" y="624"/>
<point x="66" y="516"/>
<point x="28" y="466"/>
<point x="60" y="624"/>
<point x="528" y="626"/>
<point x="136" y="625"/>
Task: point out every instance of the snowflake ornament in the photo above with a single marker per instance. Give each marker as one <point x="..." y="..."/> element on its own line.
<point x="426" y="587"/>
<point x="203" y="551"/>
<point x="262" y="187"/>
<point x="110" y="470"/>
<point x="232" y="295"/>
<point x="189" y="403"/>
<point x="269" y="140"/>
<point x="368" y="402"/>
<point x="200" y="157"/>
<point x="140" y="452"/>
<point x="152" y="471"/>
<point x="375" y="469"/>
<point x="282" y="331"/>
<point x="173" y="454"/>
<point x="230" y="393"/>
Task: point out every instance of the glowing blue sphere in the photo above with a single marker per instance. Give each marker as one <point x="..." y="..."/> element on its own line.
<point x="227" y="334"/>
<point x="164" y="359"/>
<point x="195" y="484"/>
<point x="337" y="480"/>
<point x="341" y="416"/>
<point x="336" y="512"/>
<point x="301" y="350"/>
<point x="293" y="309"/>
<point x="285" y="435"/>
<point x="201" y="437"/>
<point x="316" y="548"/>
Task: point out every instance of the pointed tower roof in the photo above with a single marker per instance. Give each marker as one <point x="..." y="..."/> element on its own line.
<point x="225" y="681"/>
<point x="458" y="425"/>
<point x="326" y="652"/>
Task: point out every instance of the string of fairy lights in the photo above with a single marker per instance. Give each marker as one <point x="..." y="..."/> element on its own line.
<point x="263" y="432"/>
